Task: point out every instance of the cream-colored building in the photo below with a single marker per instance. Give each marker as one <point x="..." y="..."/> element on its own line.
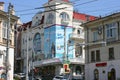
<point x="3" y="42"/>
<point x="102" y="39"/>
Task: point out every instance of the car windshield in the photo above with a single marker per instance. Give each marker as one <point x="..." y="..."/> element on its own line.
<point x="66" y="76"/>
<point x="59" y="77"/>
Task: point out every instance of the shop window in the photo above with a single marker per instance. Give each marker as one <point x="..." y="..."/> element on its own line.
<point x="96" y="74"/>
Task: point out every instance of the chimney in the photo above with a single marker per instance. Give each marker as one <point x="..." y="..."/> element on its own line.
<point x="2" y="6"/>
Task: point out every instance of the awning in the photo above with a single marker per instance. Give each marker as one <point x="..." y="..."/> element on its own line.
<point x="77" y="61"/>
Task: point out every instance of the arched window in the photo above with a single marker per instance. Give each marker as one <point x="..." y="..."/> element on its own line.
<point x="64" y="16"/>
<point x="78" y="31"/>
<point x="96" y="74"/>
<point x="50" y="18"/>
<point x="37" y="43"/>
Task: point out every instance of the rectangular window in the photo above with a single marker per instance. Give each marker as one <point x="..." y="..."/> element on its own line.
<point x="92" y="56"/>
<point x="111" y="30"/>
<point x="97" y="55"/>
<point x="95" y="36"/>
<point x="111" y="53"/>
<point x="78" y="52"/>
<point x="4" y="29"/>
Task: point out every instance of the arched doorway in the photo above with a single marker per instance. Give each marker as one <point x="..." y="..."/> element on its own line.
<point x="112" y="74"/>
<point x="96" y="74"/>
<point x="78" y="70"/>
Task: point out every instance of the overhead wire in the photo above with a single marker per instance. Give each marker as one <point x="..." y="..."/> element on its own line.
<point x="38" y="8"/>
<point x="46" y="11"/>
<point x="86" y="2"/>
<point x="49" y="7"/>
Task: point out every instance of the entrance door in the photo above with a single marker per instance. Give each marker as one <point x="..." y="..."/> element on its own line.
<point x="96" y="74"/>
<point x="112" y="74"/>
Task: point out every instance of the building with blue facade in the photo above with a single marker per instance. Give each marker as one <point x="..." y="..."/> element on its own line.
<point x="52" y="37"/>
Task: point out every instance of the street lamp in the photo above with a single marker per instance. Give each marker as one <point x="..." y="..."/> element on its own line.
<point x="7" y="46"/>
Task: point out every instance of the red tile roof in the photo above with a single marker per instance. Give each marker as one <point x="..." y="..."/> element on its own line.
<point x="81" y="16"/>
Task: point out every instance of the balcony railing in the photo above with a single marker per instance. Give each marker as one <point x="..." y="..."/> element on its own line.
<point x="64" y="22"/>
<point x="77" y="36"/>
<point x="77" y="60"/>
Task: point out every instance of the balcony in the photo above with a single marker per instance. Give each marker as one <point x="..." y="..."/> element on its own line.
<point x="77" y="60"/>
<point x="79" y="37"/>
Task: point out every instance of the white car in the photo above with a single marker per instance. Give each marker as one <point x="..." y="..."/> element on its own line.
<point x="61" y="77"/>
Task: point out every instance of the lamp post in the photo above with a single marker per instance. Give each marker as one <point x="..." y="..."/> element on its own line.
<point x="7" y="46"/>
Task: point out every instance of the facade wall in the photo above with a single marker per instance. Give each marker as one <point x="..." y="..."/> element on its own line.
<point x="103" y="70"/>
<point x="102" y="35"/>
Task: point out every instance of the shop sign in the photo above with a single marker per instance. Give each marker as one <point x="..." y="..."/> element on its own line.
<point x="101" y="64"/>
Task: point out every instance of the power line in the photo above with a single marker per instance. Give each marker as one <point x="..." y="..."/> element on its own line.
<point x="37" y="8"/>
<point x="86" y="2"/>
<point x="45" y="11"/>
<point x="50" y="6"/>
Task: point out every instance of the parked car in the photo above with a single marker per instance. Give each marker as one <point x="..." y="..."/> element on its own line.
<point x="20" y="76"/>
<point x="38" y="78"/>
<point x="62" y="77"/>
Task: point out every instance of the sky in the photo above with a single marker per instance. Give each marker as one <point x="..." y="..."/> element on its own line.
<point x="25" y="9"/>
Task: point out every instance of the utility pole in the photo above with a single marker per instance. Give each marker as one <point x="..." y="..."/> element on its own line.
<point x="27" y="54"/>
<point x="64" y="44"/>
<point x="7" y="46"/>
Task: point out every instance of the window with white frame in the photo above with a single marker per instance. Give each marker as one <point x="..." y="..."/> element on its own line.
<point x="4" y="29"/>
<point x="111" y="30"/>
